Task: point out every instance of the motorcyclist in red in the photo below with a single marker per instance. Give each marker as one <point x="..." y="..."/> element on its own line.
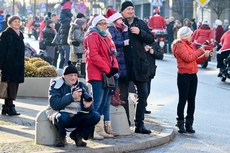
<point x="201" y="35"/>
<point x="157" y="22"/>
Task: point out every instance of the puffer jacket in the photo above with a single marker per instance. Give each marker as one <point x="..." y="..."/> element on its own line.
<point x="118" y="38"/>
<point x="97" y="55"/>
<point x="64" y="31"/>
<point x="187" y="58"/>
<point x="12" y="52"/>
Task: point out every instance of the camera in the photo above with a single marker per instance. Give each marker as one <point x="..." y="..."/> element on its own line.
<point x="85" y="95"/>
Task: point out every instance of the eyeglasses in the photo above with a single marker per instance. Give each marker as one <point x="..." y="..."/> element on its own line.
<point x="102" y="23"/>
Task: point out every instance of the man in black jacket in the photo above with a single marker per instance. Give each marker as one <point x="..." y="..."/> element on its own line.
<point x="136" y="60"/>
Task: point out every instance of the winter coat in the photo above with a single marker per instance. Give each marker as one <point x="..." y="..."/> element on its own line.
<point x="76" y="34"/>
<point x="157" y="22"/>
<point x="170" y="36"/>
<point x="60" y="98"/>
<point x="135" y="54"/>
<point x="12" y="52"/>
<point x="202" y="34"/>
<point x="152" y="59"/>
<point x="219" y="31"/>
<point x="41" y="28"/>
<point x="97" y="55"/>
<point x="225" y="41"/>
<point x="64" y="31"/>
<point x="187" y="58"/>
<point x="118" y="38"/>
<point x="48" y="35"/>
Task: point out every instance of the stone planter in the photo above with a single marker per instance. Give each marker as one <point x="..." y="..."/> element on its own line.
<point x="34" y="87"/>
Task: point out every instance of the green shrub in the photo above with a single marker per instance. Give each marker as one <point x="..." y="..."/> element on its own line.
<point x="46" y="71"/>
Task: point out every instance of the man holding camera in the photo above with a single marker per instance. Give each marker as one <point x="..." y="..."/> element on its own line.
<point x="70" y="106"/>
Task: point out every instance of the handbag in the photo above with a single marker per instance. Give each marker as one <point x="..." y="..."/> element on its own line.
<point x="3" y="91"/>
<point x="42" y="44"/>
<point x="108" y="82"/>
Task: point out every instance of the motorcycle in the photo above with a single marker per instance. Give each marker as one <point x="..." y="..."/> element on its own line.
<point x="161" y="39"/>
<point x="225" y="72"/>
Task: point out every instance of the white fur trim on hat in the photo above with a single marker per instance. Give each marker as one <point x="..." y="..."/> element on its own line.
<point x="205" y="22"/>
<point x="218" y="22"/>
<point x="114" y="17"/>
<point x="184" y="32"/>
<point x="97" y="19"/>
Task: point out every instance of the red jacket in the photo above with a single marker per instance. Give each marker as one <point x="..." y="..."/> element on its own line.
<point x="202" y="34"/>
<point x="41" y="28"/>
<point x="157" y="22"/>
<point x="225" y="41"/>
<point x="218" y="33"/>
<point x="97" y="55"/>
<point x="187" y="58"/>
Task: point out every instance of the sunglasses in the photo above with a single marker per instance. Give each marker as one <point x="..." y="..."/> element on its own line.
<point x="102" y="23"/>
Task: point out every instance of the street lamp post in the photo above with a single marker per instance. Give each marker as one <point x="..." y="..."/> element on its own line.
<point x="13" y="6"/>
<point x="47" y="6"/>
<point x="35" y="8"/>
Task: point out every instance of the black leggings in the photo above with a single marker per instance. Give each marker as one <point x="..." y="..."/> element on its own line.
<point x="187" y="86"/>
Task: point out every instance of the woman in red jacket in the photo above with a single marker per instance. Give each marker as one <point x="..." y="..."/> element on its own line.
<point x="100" y="55"/>
<point x="187" y="60"/>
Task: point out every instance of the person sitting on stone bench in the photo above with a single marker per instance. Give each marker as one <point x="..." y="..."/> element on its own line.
<point x="70" y="106"/>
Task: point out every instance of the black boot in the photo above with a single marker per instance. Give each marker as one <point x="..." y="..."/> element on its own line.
<point x="180" y="125"/>
<point x="188" y="126"/>
<point x="77" y="139"/>
<point x="142" y="130"/>
<point x="9" y="109"/>
<point x="61" y="141"/>
<point x="83" y="69"/>
<point x="3" y="109"/>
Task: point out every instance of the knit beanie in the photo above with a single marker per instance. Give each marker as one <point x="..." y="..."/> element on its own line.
<point x="12" y="18"/>
<point x="80" y="15"/>
<point x="184" y="32"/>
<point x="48" y="22"/>
<point x="79" y="22"/>
<point x="126" y="4"/>
<point x="69" y="69"/>
<point x="97" y="19"/>
<point x="112" y="15"/>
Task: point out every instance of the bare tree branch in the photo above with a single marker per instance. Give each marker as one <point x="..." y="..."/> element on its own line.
<point x="219" y="6"/>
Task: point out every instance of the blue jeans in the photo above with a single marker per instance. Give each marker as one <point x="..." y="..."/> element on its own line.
<point x="101" y="99"/>
<point x="83" y="122"/>
<point x="66" y="49"/>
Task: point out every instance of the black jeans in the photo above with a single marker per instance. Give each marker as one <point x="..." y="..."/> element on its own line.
<point x="187" y="86"/>
<point x="142" y="92"/>
<point x="124" y="94"/>
<point x="83" y="122"/>
<point x="221" y="57"/>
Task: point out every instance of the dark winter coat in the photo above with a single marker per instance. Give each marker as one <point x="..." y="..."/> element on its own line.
<point x="170" y="36"/>
<point x="65" y="16"/>
<point x="152" y="59"/>
<point x="12" y="52"/>
<point x="118" y="38"/>
<point x="64" y="31"/>
<point x="135" y="54"/>
<point x="219" y="31"/>
<point x="48" y="35"/>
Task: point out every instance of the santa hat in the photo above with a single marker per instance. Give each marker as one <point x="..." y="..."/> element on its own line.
<point x="112" y="15"/>
<point x="97" y="19"/>
<point x="157" y="11"/>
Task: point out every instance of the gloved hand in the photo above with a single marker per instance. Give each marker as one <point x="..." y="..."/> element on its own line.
<point x="112" y="72"/>
<point x="126" y="42"/>
<point x="75" y="43"/>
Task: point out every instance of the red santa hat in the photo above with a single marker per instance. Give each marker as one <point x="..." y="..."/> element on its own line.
<point x="112" y="15"/>
<point x="156" y="10"/>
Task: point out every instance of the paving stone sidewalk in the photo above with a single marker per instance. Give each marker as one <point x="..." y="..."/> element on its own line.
<point x="17" y="133"/>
